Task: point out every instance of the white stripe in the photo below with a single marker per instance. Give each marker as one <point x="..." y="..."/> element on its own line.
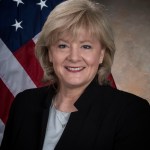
<point x="2" y="127"/>
<point x="35" y="38"/>
<point x="12" y="73"/>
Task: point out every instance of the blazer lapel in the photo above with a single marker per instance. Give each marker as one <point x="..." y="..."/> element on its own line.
<point x="73" y="128"/>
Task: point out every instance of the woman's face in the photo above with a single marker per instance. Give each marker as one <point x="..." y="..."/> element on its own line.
<point x="76" y="61"/>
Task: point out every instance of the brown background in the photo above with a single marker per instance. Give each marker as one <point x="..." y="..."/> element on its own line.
<point x="131" y="24"/>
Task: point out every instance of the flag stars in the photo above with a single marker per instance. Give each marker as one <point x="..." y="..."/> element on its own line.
<point x="18" y="2"/>
<point x="42" y="3"/>
<point x="17" y="25"/>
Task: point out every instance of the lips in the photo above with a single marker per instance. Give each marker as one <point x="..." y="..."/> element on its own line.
<point x="74" y="69"/>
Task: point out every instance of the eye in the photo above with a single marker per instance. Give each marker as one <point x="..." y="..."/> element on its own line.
<point x="87" y="46"/>
<point x="62" y="46"/>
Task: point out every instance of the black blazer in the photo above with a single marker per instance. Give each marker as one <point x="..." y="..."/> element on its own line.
<point x="107" y="119"/>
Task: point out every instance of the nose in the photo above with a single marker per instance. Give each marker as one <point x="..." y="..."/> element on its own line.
<point x="74" y="55"/>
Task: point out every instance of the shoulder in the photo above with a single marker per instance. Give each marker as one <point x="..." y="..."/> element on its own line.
<point x="119" y="96"/>
<point x="34" y="91"/>
<point x="117" y="101"/>
<point x="123" y="102"/>
<point x="32" y="97"/>
<point x="133" y="117"/>
<point x="127" y="109"/>
<point x="113" y="99"/>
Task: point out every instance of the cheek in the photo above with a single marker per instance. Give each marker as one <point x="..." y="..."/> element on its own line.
<point x="57" y="59"/>
<point x="93" y="60"/>
<point x="52" y="56"/>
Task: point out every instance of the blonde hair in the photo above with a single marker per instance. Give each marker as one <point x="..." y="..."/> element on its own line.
<point x="70" y="16"/>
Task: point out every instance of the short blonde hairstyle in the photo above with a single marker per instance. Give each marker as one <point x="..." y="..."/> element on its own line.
<point x="70" y="16"/>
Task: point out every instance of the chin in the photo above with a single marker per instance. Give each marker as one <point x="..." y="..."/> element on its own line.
<point x="77" y="84"/>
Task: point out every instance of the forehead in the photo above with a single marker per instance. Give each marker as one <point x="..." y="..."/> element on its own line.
<point x="80" y="34"/>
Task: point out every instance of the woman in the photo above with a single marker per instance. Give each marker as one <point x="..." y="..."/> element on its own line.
<point x="79" y="110"/>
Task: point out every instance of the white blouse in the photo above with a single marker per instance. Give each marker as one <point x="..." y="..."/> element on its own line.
<point x="56" y="124"/>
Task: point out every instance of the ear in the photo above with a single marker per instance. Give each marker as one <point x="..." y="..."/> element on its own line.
<point x="102" y="54"/>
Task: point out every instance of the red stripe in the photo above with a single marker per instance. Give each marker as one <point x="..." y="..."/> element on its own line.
<point x="5" y="101"/>
<point x="111" y="79"/>
<point x="25" y="56"/>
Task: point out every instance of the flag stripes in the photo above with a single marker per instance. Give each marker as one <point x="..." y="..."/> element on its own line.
<point x="18" y="75"/>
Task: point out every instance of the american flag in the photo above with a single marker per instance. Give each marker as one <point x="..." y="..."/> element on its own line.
<point x="20" y="23"/>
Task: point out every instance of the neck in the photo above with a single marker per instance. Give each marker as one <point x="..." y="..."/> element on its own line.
<point x="65" y="99"/>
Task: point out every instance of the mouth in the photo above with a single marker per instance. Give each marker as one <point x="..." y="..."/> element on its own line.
<point x="74" y="69"/>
